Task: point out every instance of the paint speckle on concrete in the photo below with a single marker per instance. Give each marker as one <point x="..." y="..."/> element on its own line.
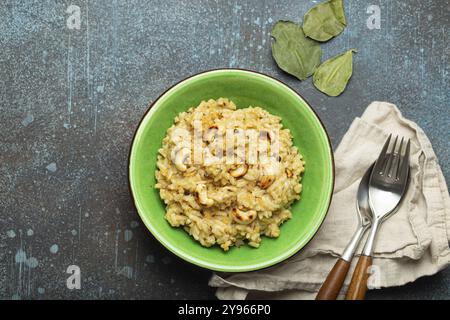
<point x="128" y="235"/>
<point x="11" y="233"/>
<point x="27" y="120"/>
<point x="54" y="248"/>
<point x="20" y="257"/>
<point x="32" y="262"/>
<point x="51" y="167"/>
<point x="41" y="290"/>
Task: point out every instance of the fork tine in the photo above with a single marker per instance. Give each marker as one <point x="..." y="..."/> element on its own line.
<point x="391" y="156"/>
<point x="404" y="163"/>
<point x="380" y="163"/>
<point x="395" y="163"/>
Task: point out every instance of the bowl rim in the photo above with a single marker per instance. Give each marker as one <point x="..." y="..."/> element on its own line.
<point x="199" y="262"/>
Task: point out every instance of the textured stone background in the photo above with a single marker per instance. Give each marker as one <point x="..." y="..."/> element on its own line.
<point x="70" y="101"/>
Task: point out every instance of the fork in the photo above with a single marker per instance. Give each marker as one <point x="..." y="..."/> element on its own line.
<point x="387" y="187"/>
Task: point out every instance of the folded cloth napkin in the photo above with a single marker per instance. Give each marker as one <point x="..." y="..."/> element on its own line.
<point x="410" y="244"/>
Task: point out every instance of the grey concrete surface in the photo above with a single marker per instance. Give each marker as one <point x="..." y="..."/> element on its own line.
<point x="70" y="100"/>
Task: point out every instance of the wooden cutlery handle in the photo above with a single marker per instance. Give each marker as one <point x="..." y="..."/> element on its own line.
<point x="358" y="285"/>
<point x="333" y="283"/>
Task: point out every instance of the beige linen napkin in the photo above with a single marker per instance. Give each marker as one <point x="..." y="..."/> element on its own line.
<point x="411" y="244"/>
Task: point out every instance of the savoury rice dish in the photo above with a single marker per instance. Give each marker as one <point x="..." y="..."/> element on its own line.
<point x="222" y="195"/>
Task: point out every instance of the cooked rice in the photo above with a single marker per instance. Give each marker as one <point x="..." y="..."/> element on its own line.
<point x="213" y="203"/>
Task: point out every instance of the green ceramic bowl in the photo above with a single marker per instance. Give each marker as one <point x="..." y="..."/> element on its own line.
<point x="245" y="88"/>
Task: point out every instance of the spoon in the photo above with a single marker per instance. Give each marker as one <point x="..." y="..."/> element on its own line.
<point x="332" y="286"/>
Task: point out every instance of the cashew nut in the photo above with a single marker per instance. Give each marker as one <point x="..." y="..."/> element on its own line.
<point x="270" y="171"/>
<point x="239" y="171"/>
<point x="180" y="158"/>
<point x="203" y="196"/>
<point x="266" y="181"/>
<point x="243" y="217"/>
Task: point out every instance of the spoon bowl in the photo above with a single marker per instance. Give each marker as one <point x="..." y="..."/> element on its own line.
<point x="364" y="215"/>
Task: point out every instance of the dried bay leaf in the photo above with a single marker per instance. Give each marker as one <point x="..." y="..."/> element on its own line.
<point x="325" y="20"/>
<point x="332" y="76"/>
<point x="293" y="52"/>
